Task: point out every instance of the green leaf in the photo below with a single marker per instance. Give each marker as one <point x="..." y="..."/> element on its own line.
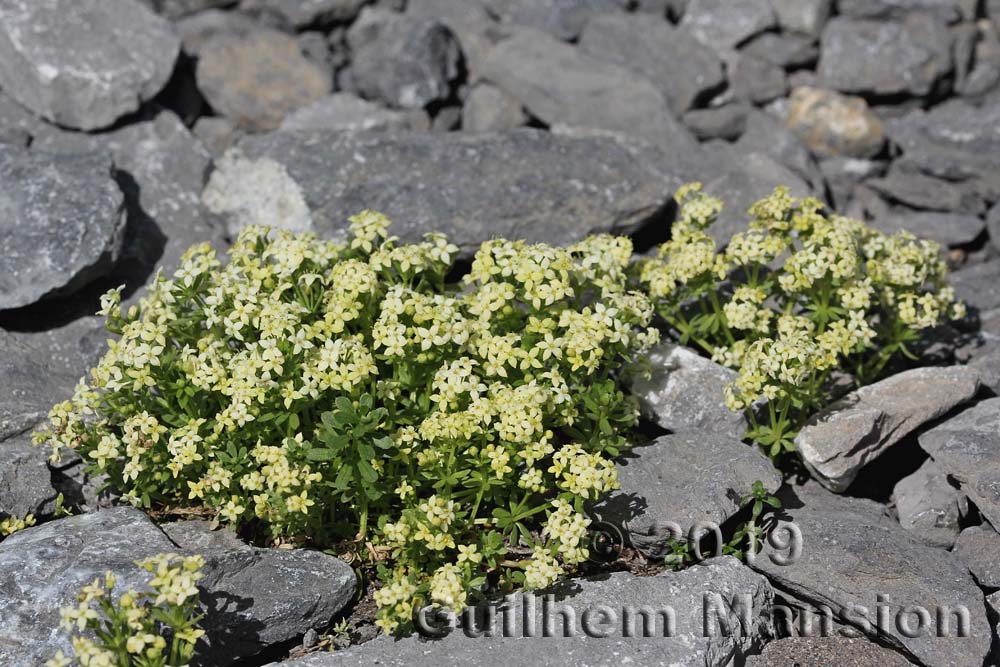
<point x="321" y="454"/>
<point x="366" y="471"/>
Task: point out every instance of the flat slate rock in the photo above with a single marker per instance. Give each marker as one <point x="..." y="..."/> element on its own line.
<point x="697" y="596"/>
<point x="255" y="597"/>
<point x="946" y="10"/>
<point x="684" y="392"/>
<point x="967" y="447"/>
<point x="62" y="223"/>
<point x="842" y="439"/>
<point x="948" y="229"/>
<point x="30" y="385"/>
<point x="559" y="84"/>
<point x="346" y="112"/>
<point x="489" y="108"/>
<point x="979" y="548"/>
<point x="522" y="183"/>
<point x="769" y="135"/>
<point x="929" y="506"/>
<point x="978" y="284"/>
<point x="84" y="63"/>
<point x="804" y="16"/>
<point x="563" y="19"/>
<point x="303" y="13"/>
<point x="854" y="561"/>
<point x="724" y="24"/>
<point x="682" y="485"/>
<point x="825" y="652"/>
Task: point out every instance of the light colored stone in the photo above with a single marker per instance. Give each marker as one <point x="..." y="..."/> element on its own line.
<point x="979" y="548"/>
<point x="835" y="125"/>
<point x="929" y="506"/>
<point x="489" y="108"/>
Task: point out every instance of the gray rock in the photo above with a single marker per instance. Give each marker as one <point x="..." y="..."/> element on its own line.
<point x="346" y="112"/>
<point x="681" y="485"/>
<point x="563" y="19"/>
<point x="917" y="190"/>
<point x="255" y="597"/>
<point x="979" y="548"/>
<point x="198" y="29"/>
<point x="489" y="108"/>
<point x="402" y="61"/>
<point x="684" y="393"/>
<point x="984" y="75"/>
<point x="929" y="506"/>
<point x="840" y="440"/>
<point x="216" y="133"/>
<point x="684" y="70"/>
<point x="726" y="122"/>
<point x="83" y="63"/>
<point x="948" y="229"/>
<point x="842" y="174"/>
<point x="978" y="285"/>
<point x="68" y="351"/>
<point x="826" y="651"/>
<point x="469" y="23"/>
<point x="993" y="225"/>
<point x="447" y="119"/>
<point x="30" y="386"/>
<point x="885" y="57"/>
<point x="945" y="10"/>
<point x="866" y="569"/>
<point x="769" y="135"/>
<point x="175" y="9"/>
<point x="754" y="79"/>
<point x="834" y="125"/>
<point x="303" y="13"/>
<point x="200" y="536"/>
<point x="806" y="16"/>
<point x="560" y="85"/>
<point x="25" y="479"/>
<point x="698" y="597"/>
<point x="987" y="364"/>
<point x="724" y="24"/>
<point x="259" y="78"/>
<point x="62" y="224"/>
<point x="783" y="50"/>
<point x="967" y="447"/>
<point x="522" y="183"/>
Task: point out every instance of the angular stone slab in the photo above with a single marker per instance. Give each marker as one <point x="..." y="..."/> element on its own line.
<point x="522" y="183"/>
<point x="979" y="548"/>
<point x="929" y="506"/>
<point x="682" y="482"/>
<point x="842" y="439"/>
<point x="968" y="448"/>
<point x="692" y="594"/>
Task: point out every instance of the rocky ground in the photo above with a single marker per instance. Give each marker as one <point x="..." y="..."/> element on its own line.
<point x="130" y="129"/>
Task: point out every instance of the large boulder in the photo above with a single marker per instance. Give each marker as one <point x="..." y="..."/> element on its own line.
<point x="84" y="63"/>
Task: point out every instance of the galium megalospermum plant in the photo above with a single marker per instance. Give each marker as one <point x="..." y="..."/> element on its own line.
<point x="794" y="299"/>
<point x="344" y="393"/>
<point x="150" y="628"/>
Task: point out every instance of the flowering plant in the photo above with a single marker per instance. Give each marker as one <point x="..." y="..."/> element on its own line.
<point x="345" y="394"/>
<point x="794" y="299"/>
<point x="155" y="628"/>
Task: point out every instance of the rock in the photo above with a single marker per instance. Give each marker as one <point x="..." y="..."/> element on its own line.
<point x="199" y="536"/>
<point x="198" y="29"/>
<point x="25" y="479"/>
<point x="563" y="19"/>
<point x="993" y="225"/>
<point x="978" y="547"/>
<point x="753" y="79"/>
<point x="885" y="57"/>
<point x="304" y="13"/>
<point x="30" y="388"/>
<point x="918" y="190"/>
<point x="83" y="63"/>
<point x="769" y="135"/>
<point x="346" y="112"/>
<point x="948" y="229"/>
<point x="62" y="224"/>
<point x="826" y="651"/>
<point x="945" y="10"/>
<point x="806" y="16"/>
<point x="834" y="125"/>
<point x="684" y="393"/>
<point x="216" y="134"/>
<point x="987" y="364"/>
<point x="724" y="24"/>
<point x="842" y="174"/>
<point x="726" y="122"/>
<point x="560" y="85"/>
<point x="523" y="183"/>
<point x="174" y="9"/>
<point x="873" y="575"/>
<point x="978" y="285"/>
<point x="489" y="108"/>
<point x="259" y="78"/>
<point x="682" y="485"/>
<point x="698" y="597"/>
<point x="967" y="447"/>
<point x="67" y="352"/>
<point x="447" y="119"/>
<point x="402" y="61"/>
<point x="782" y="50"/>
<point x="984" y="76"/>
<point x="745" y="182"/>
<point x="255" y="192"/>
<point x="255" y="597"/>
<point x="840" y="440"/>
<point x="929" y="506"/>
<point x="469" y="23"/>
<point x="683" y="70"/>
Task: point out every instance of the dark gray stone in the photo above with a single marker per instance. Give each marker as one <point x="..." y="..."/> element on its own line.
<point x="198" y="29"/>
<point x="346" y="112"/>
<point x="967" y="447"/>
<point x="929" y="506"/>
<point x="560" y="85"/>
<point x="200" y="536"/>
<point x="853" y="560"/>
<point x="885" y="57"/>
<point x="840" y="440"/>
<point x="724" y="24"/>
<point x="25" y="479"/>
<point x="979" y="548"/>
<point x="984" y="76"/>
<point x="948" y="229"/>
<point x="978" y="285"/>
<point x="826" y="651"/>
<point x="783" y="50"/>
<point x="175" y="9"/>
<point x="62" y="224"/>
<point x="303" y="13"/>
<point x="769" y="135"/>
<point x="842" y="174"/>
<point x="993" y="225"/>
<point x="216" y="134"/>
<point x="30" y="386"/>
<point x="682" y="68"/>
<point x="489" y="108"/>
<point x="805" y="16"/>
<point x="469" y="23"/>
<point x="563" y="19"/>
<point x="682" y="485"/>
<point x="945" y="10"/>
<point x="68" y="351"/>
<point x="523" y="183"/>
<point x="753" y="79"/>
<point x="447" y="119"/>
<point x="834" y="125"/>
<point x="726" y="122"/>
<point x="403" y="61"/>
<point x="684" y="393"/>
<point x="258" y="78"/>
<point x="918" y="190"/>
<point x="84" y="63"/>
<point x="697" y="596"/>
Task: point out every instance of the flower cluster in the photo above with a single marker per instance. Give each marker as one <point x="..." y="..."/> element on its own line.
<point x="794" y="298"/>
<point x="347" y="394"/>
<point x="154" y="628"/>
<point x="12" y="524"/>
